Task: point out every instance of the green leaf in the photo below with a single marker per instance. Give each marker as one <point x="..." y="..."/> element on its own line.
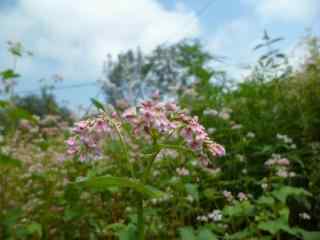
<point x="9" y="161"/>
<point x="187" y="233"/>
<point x="244" y="234"/>
<point x="128" y="233"/>
<point x="284" y="192"/>
<point x="240" y="209"/>
<point x="266" y="200"/>
<point x="3" y="104"/>
<point x="34" y="228"/>
<point x="206" y="234"/>
<point x="11" y="217"/>
<point x="8" y="74"/>
<point x="115" y="227"/>
<point x="279" y="224"/>
<point x="272" y="227"/>
<point x="310" y="235"/>
<point x="192" y="189"/>
<point x="73" y="213"/>
<point x="105" y="182"/>
<point x="19" y="113"/>
<point x="16" y="49"/>
<point x="97" y="104"/>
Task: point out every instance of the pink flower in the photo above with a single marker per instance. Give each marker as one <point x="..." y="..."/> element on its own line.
<point x="227" y="195"/>
<point x="148" y="115"/>
<point x="129" y="113"/>
<point x="242" y="196"/>
<point x="171" y="107"/>
<point x="216" y="149"/>
<point x="101" y="126"/>
<point x="71" y="142"/>
<point x="150" y="119"/>
<point x="283" y="162"/>
<point x="80" y="126"/>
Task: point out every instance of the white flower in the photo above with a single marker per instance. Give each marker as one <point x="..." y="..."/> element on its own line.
<point x="224" y="115"/>
<point x="304" y="216"/>
<point x="284" y="138"/>
<point x="236" y="126"/>
<point x="190" y="198"/>
<point x="251" y="135"/>
<point x="194" y="163"/>
<point x="282" y="172"/>
<point x="216" y="215"/>
<point x="182" y="171"/>
<point x="244" y="171"/>
<point x="292" y="174"/>
<point x="156" y="173"/>
<point x="264" y="186"/>
<point x="241" y="157"/>
<point x="211" y="130"/>
<point x="210" y="112"/>
<point x="202" y="218"/>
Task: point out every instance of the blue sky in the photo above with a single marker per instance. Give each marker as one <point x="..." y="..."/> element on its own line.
<point x="72" y="38"/>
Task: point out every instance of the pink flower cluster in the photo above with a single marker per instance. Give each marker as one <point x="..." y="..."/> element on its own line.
<point x="87" y="136"/>
<point x="281" y="165"/>
<point x="151" y="115"/>
<point x="276" y="159"/>
<point x="150" y="118"/>
<point x="197" y="138"/>
<point x="165" y="118"/>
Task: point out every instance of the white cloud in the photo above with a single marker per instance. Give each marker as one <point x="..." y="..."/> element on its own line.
<point x="73" y="37"/>
<point x="299" y="11"/>
<point x="235" y="40"/>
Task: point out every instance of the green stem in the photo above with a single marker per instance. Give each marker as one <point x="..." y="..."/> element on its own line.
<point x="124" y="146"/>
<point x="140" y="218"/>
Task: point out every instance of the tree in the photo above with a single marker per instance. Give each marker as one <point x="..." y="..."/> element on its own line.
<point x="42" y="105"/>
<point x="167" y="69"/>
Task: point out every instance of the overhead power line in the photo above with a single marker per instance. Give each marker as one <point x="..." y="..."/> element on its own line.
<point x="76" y="85"/>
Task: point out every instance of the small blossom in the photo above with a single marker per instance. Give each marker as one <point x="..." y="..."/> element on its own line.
<point x="283" y="162"/>
<point x="210" y="112"/>
<point x="304" y="216"/>
<point x="236" y="126"/>
<point x="242" y="196"/>
<point x="190" y="198"/>
<point x="251" y="135"/>
<point x="211" y="130"/>
<point x="182" y="171"/>
<point x="292" y="174"/>
<point x="264" y="186"/>
<point x="282" y="172"/>
<point x="216" y="215"/>
<point x="224" y="115"/>
<point x="228" y="195"/>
